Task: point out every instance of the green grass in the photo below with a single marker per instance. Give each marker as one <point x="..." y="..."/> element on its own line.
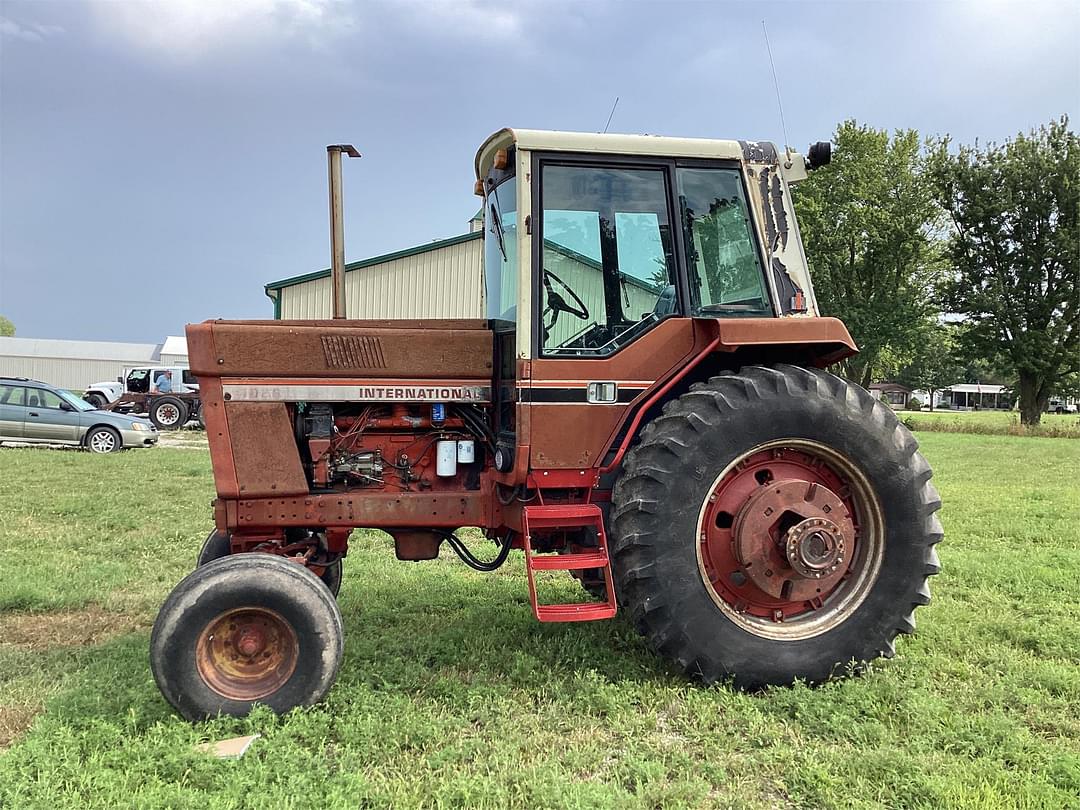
<point x="1001" y="423"/>
<point x="451" y="695"/>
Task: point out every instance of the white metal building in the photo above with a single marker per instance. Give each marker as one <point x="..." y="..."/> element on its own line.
<point x="77" y="364"/>
<point x="442" y="279"/>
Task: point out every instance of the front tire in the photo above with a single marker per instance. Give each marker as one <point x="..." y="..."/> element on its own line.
<point x="242" y="630"/>
<point x="168" y="413"/>
<point x="774" y="525"/>
<point x="103" y="440"/>
<point x="97" y="400"/>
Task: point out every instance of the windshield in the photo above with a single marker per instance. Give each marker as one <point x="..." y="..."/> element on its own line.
<point x="500" y="255"/>
<point x="78" y="403"/>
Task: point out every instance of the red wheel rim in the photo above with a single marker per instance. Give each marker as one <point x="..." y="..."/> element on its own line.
<point x="790" y="539"/>
<point x="247" y="653"/>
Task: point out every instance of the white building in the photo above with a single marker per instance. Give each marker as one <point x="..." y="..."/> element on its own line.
<point x="76" y="364"/>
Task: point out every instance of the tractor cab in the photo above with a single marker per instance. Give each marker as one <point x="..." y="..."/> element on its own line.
<point x="601" y="250"/>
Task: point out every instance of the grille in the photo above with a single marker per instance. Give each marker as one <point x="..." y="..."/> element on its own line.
<point x="353" y="352"/>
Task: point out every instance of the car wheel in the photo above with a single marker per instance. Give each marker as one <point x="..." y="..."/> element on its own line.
<point x="97" y="400"/>
<point x="103" y="440"/>
<point x="168" y="413"/>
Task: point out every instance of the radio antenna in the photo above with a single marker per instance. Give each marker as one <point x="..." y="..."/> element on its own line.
<point x="610" y="114"/>
<point x="776" y="84"/>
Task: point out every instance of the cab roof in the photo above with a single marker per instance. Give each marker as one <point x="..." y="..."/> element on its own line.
<point x="614" y="144"/>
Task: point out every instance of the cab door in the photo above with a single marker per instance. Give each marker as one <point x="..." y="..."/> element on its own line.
<point x="607" y="325"/>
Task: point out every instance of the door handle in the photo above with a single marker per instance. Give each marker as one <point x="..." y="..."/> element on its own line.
<point x="33" y="413"/>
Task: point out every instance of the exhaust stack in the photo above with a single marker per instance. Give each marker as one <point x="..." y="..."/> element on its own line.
<point x="337" y="225"/>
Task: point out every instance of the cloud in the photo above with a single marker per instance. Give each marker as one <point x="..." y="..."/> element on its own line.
<point x="28" y="32"/>
<point x="190" y="29"/>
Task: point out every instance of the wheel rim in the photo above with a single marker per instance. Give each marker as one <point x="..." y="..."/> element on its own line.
<point x="247" y="653"/>
<point x="168" y="414"/>
<point x="790" y="539"/>
<point x="103" y="442"/>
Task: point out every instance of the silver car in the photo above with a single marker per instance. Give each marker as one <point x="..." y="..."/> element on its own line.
<point x="31" y="411"/>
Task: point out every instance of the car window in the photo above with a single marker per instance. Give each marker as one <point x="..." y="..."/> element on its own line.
<point x="12" y="395"/>
<point x="45" y="399"/>
<point x="189" y="378"/>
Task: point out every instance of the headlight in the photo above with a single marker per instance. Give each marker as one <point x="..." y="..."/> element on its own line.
<point x="139" y="426"/>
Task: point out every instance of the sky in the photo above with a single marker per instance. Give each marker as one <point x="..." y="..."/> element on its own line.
<point x="161" y="161"/>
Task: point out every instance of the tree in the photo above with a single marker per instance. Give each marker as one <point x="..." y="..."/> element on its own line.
<point x="7" y="328"/>
<point x="868" y="220"/>
<point x="935" y="363"/>
<point x="1014" y="252"/>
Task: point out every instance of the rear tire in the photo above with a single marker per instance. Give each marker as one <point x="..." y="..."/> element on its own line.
<point x="248" y="629"/>
<point x="168" y="413"/>
<point x="709" y="614"/>
<point x="218" y="545"/>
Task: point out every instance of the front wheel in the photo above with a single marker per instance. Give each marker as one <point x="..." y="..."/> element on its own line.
<point x="774" y="525"/>
<point x="97" y="400"/>
<point x="103" y="440"/>
<point x="253" y="628"/>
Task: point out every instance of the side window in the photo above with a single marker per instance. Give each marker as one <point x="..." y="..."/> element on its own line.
<point x="47" y="399"/>
<point x="607" y="258"/>
<point x="724" y="270"/>
<point x="189" y="378"/>
<point x="12" y="395"/>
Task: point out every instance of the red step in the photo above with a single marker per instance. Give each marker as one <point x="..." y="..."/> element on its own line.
<point x="560" y="517"/>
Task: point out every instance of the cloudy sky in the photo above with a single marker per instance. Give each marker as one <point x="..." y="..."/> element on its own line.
<point x="161" y="161"/>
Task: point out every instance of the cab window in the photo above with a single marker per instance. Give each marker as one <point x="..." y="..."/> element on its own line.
<point x="724" y="267"/>
<point x="607" y="261"/>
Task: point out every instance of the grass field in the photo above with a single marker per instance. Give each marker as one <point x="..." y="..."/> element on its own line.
<point x="451" y="695"/>
<point x="1006" y="423"/>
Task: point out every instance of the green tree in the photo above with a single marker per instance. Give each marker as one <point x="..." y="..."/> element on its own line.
<point x="868" y="220"/>
<point x="935" y="364"/>
<point x="1014" y="252"/>
<point x="7" y="328"/>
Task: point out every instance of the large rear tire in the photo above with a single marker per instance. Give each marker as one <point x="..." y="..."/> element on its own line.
<point x="247" y="629"/>
<point x="774" y="525"/>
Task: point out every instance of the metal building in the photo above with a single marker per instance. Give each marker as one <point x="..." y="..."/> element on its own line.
<point x="76" y="364"/>
<point x="442" y="279"/>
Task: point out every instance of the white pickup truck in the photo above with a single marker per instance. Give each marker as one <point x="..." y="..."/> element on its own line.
<point x="169" y="395"/>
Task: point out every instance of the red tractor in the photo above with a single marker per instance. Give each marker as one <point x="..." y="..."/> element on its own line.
<point x="645" y="406"/>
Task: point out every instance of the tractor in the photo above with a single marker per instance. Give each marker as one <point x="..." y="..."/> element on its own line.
<point x="645" y="406"/>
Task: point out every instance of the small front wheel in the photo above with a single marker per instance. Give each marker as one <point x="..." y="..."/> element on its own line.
<point x="246" y="629"/>
<point x="103" y="440"/>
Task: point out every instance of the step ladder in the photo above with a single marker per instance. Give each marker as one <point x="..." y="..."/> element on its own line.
<point x="561" y="517"/>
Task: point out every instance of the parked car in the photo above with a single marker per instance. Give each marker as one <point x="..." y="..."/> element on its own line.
<point x="168" y="394"/>
<point x="32" y="411"/>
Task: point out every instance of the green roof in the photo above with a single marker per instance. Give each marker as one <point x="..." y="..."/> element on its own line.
<point x="374" y="260"/>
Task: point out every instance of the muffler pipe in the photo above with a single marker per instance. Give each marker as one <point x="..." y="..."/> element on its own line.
<point x="337" y="224"/>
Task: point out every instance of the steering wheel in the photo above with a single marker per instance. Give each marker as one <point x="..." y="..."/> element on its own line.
<point x="556" y="303"/>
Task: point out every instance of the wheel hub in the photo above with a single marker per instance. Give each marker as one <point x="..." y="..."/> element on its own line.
<point x="815" y="548"/>
<point x="247" y="654"/>
<point x="791" y="536"/>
